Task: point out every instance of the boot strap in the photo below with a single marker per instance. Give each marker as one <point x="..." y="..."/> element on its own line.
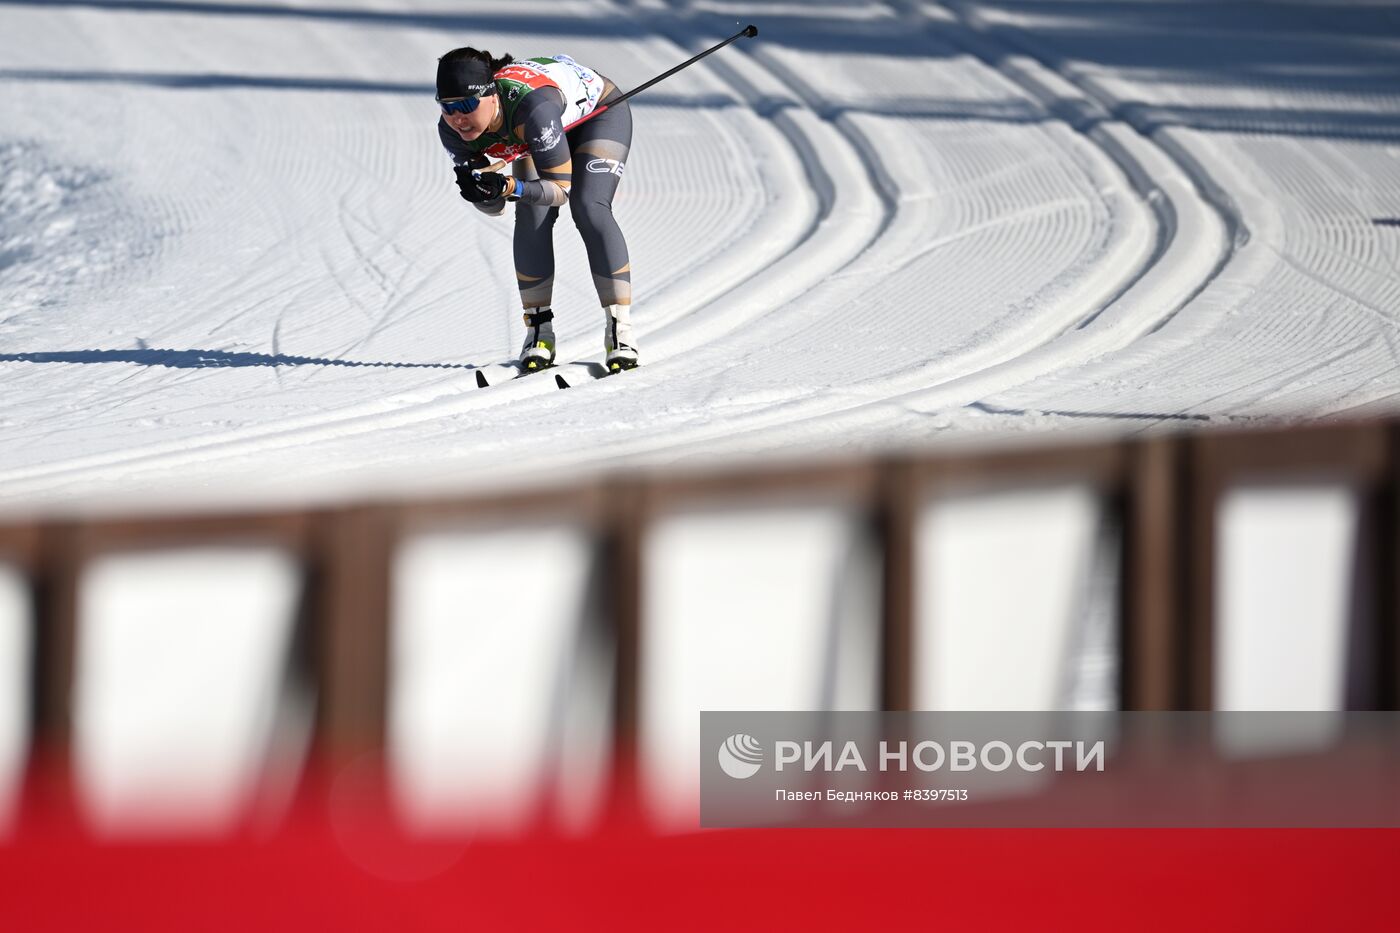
<point x="536" y="318"/>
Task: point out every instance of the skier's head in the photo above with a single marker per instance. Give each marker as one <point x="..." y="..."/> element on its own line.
<point x="466" y="90"/>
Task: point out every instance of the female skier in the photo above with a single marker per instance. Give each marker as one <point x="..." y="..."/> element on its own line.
<point x="498" y="108"/>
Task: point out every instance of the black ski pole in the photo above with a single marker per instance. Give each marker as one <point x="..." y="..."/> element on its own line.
<point x="748" y="31"/>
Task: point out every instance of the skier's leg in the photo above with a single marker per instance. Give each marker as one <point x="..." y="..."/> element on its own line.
<point x="534" y="273"/>
<point x="600" y="148"/>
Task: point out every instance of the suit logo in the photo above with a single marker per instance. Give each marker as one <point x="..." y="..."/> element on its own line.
<point x="606" y="166"/>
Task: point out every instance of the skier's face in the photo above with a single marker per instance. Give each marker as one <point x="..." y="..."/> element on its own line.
<point x="471" y="125"/>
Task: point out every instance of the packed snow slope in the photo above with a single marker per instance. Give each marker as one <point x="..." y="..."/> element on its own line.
<point x="234" y="266"/>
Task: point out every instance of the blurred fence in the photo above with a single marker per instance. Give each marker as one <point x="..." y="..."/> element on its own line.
<point x="499" y="651"/>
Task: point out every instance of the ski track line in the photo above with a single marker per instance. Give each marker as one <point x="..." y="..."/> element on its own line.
<point x="1190" y="240"/>
<point x="1307" y="307"/>
<point x="1206" y="190"/>
<point x="848" y="218"/>
<point x="840" y="216"/>
<point x="1197" y="244"/>
<point x="1165" y="176"/>
<point x="890" y="192"/>
<point x="1202" y="231"/>
<point x="1301" y="274"/>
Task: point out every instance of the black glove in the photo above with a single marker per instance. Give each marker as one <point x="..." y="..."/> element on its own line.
<point x="487" y="186"/>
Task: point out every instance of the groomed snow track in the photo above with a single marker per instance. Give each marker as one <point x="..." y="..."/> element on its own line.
<point x="249" y="279"/>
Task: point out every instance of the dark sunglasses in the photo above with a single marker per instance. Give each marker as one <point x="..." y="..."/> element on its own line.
<point x="462" y="104"/>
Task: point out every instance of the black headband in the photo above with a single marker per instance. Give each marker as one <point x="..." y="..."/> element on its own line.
<point x="468" y="77"/>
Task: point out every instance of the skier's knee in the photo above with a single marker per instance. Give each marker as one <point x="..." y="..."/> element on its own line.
<point x="592" y="219"/>
<point x="535" y="218"/>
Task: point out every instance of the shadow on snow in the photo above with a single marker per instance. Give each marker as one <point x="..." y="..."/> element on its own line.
<point x="1341" y="59"/>
<point x="205" y="359"/>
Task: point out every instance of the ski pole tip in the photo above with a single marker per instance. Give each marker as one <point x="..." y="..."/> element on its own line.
<point x="750" y="30"/>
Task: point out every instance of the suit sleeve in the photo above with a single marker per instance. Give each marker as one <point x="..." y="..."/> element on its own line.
<point x="539" y="122"/>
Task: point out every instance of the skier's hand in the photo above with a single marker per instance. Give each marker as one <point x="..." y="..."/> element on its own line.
<point x="486" y="186"/>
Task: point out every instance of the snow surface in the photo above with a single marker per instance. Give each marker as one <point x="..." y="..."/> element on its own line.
<point x="234" y="268"/>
